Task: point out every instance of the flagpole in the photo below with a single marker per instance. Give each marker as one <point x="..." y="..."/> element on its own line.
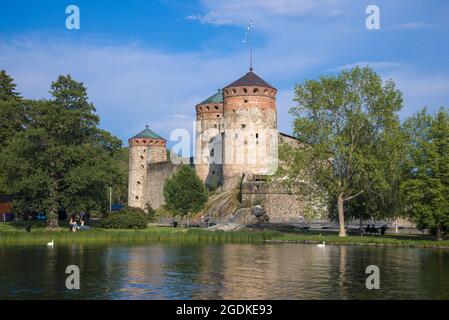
<point x="250" y="51"/>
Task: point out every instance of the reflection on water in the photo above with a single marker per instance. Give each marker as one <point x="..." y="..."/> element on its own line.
<point x="272" y="271"/>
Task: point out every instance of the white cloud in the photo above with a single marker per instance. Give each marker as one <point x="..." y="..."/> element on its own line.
<point x="409" y="26"/>
<point x="376" y="65"/>
<point x="132" y="85"/>
<point x="240" y="12"/>
<point x="209" y="18"/>
<point x="420" y="89"/>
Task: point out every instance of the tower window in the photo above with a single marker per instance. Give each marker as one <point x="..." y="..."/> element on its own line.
<point x="216" y="107"/>
<point x="233" y="91"/>
<point x="141" y="157"/>
<point x="256" y="90"/>
<point x="243" y="126"/>
<point x="245" y="90"/>
<point x="212" y="152"/>
<point x="218" y="116"/>
<point x="138" y="182"/>
<point x="137" y="198"/>
<point x="207" y="108"/>
<point x="257" y="136"/>
<point x="246" y="101"/>
<point x="215" y="125"/>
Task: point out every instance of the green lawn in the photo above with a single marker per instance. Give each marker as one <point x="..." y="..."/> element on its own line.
<point x="13" y="235"/>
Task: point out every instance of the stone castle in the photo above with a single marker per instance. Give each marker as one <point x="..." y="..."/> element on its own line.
<point x="236" y="146"/>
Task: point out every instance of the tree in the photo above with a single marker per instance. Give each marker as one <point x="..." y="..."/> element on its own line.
<point x="12" y="113"/>
<point x="7" y="87"/>
<point x="426" y="187"/>
<point x="12" y="109"/>
<point x="184" y="192"/>
<point x="345" y="119"/>
<point x="383" y="200"/>
<point x="61" y="160"/>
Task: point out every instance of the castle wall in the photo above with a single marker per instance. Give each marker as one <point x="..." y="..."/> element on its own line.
<point x="250" y="139"/>
<point x="209" y="144"/>
<point x="283" y="204"/>
<point x="158" y="173"/>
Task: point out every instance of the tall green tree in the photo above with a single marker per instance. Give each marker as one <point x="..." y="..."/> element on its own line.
<point x="12" y="113"/>
<point x="12" y="109"/>
<point x="184" y="192"/>
<point x="7" y="87"/>
<point x="383" y="199"/>
<point x="343" y="120"/>
<point x="62" y="160"/>
<point x="426" y="187"/>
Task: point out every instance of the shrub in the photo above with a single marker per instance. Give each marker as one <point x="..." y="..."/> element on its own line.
<point x="151" y="213"/>
<point x="184" y="192"/>
<point x="127" y="218"/>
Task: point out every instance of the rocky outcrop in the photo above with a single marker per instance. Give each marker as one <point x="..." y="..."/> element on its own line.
<point x="260" y="213"/>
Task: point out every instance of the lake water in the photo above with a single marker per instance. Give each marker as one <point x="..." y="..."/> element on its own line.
<point x="223" y="271"/>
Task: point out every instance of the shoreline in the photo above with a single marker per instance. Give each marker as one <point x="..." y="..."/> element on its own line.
<point x="9" y="235"/>
<point x="367" y="244"/>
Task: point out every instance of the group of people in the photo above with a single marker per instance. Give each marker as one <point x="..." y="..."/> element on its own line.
<point x="78" y="222"/>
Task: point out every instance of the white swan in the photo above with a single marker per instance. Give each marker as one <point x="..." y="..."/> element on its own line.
<point x="321" y="245"/>
<point x="51" y="243"/>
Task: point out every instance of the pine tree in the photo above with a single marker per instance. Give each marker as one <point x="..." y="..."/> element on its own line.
<point x="7" y="87"/>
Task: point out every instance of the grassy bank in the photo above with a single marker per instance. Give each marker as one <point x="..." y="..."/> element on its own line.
<point x="14" y="236"/>
<point x="414" y="241"/>
<point x="11" y="235"/>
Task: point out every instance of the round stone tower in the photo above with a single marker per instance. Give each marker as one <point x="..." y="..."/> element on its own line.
<point x="250" y="125"/>
<point x="208" y="144"/>
<point x="144" y="148"/>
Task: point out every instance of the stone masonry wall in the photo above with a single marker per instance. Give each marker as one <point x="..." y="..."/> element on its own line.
<point x="157" y="174"/>
<point x="281" y="203"/>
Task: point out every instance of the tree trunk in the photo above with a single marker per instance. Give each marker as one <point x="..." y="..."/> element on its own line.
<point x="52" y="219"/>
<point x="341" y="215"/>
<point x="396" y="227"/>
<point x="439" y="233"/>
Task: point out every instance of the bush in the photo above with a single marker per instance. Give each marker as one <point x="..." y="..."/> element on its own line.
<point x="151" y="213"/>
<point x="127" y="218"/>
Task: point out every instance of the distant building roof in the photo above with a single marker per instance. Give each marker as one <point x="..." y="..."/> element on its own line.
<point x="288" y="135"/>
<point x="147" y="133"/>
<point x="215" y="98"/>
<point x="250" y="79"/>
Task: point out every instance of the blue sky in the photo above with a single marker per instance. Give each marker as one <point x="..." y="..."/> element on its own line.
<point x="150" y="62"/>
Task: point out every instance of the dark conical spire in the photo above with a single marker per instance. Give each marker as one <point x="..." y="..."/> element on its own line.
<point x="147" y="133"/>
<point x="250" y="79"/>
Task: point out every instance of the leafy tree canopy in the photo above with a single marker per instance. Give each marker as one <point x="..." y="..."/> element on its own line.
<point x="347" y="122"/>
<point x="426" y="186"/>
<point x="62" y="160"/>
<point x="184" y="192"/>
